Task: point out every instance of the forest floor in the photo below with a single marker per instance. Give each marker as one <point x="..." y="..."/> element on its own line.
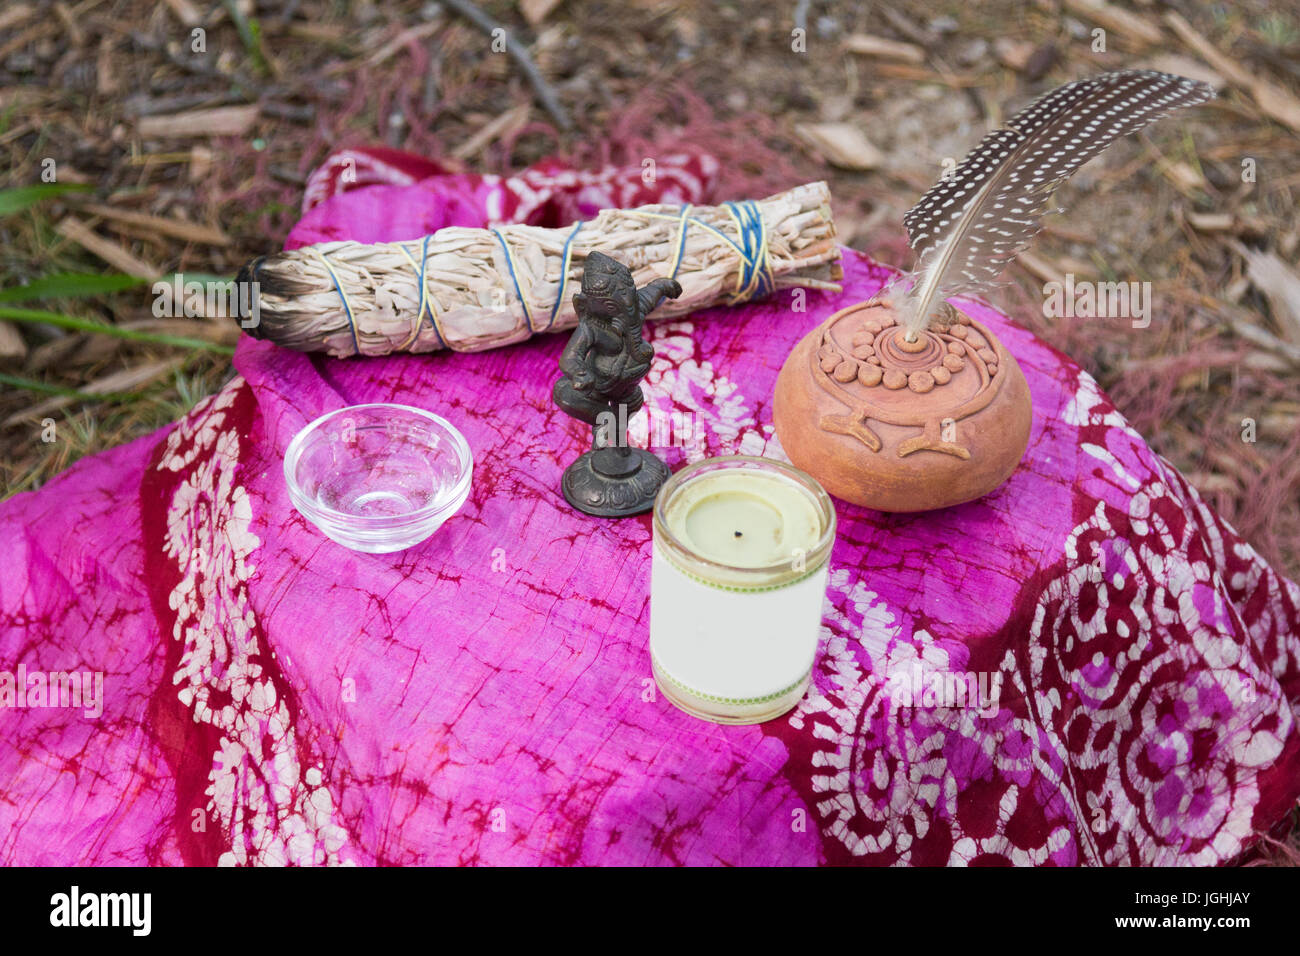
<point x="115" y="96"/>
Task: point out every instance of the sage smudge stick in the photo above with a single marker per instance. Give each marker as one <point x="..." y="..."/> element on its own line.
<point x="473" y="289"/>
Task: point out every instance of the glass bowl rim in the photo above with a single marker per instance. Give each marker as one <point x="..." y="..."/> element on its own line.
<point x="292" y="455"/>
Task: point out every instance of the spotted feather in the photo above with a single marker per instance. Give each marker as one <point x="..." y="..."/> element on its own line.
<point x="973" y="222"/>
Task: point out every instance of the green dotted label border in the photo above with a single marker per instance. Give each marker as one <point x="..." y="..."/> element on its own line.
<point x="737" y="588"/>
<point x="735" y="701"/>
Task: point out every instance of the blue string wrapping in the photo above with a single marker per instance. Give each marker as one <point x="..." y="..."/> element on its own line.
<point x="564" y="274"/>
<point x="510" y="264"/>
<point x="753" y="279"/>
<point x="425" y="302"/>
<point x="681" y="242"/>
<point x="347" y="306"/>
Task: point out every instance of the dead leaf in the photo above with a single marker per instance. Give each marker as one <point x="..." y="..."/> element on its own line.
<point x="841" y="144"/>
<point x="1279" y="284"/>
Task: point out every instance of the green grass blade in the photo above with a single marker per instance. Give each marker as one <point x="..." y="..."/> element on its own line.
<point x="31" y="385"/>
<point x="16" y="200"/>
<point x="101" y="328"/>
<point x="69" y="285"/>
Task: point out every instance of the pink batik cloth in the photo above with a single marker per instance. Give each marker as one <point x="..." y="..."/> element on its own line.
<point x="485" y="697"/>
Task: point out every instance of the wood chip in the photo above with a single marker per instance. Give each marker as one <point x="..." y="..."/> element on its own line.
<point x="14" y="14"/>
<point x="1248" y="329"/>
<point x="1279" y="426"/>
<point x="126" y="380"/>
<point x="1211" y="221"/>
<point x="200" y="163"/>
<point x="1223" y="222"/>
<point x="1272" y="100"/>
<point x="1013" y="54"/>
<point x="1126" y="24"/>
<point x="12" y="345"/>
<point x="505" y="124"/>
<point x="177" y="228"/>
<point x="917" y="74"/>
<point x="219" y="121"/>
<point x="1039" y="268"/>
<point x="76" y="36"/>
<point x="105" y="75"/>
<point x="1186" y="178"/>
<point x="413" y="34"/>
<point x="1186" y="66"/>
<point x="185" y="12"/>
<point x="1277" y="103"/>
<point x="841" y="144"/>
<point x="122" y="260"/>
<point x="535" y="11"/>
<point x="1047" y="270"/>
<point x="865" y="44"/>
<point x="1208" y="482"/>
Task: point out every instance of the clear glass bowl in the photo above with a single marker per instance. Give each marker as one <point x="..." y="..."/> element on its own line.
<point x="378" y="478"/>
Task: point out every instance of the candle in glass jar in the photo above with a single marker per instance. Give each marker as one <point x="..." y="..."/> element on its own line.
<point x="741" y="552"/>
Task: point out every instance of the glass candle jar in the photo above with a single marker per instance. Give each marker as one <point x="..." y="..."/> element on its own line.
<point x="741" y="555"/>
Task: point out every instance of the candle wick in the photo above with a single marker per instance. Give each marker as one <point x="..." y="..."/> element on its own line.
<point x="738" y="534"/>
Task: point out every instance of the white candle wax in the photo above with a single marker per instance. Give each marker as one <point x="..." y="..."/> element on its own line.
<point x="737" y="582"/>
<point x="744" y="518"/>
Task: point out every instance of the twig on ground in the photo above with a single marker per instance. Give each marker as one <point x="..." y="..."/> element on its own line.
<point x="545" y="95"/>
